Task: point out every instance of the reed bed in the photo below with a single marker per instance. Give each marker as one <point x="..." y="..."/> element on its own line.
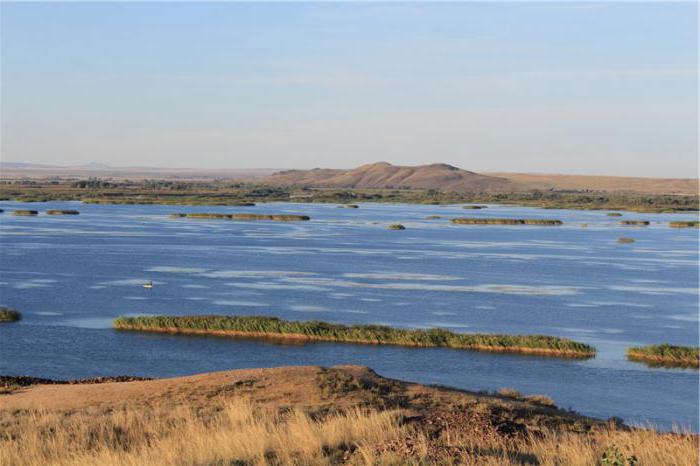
<point x="505" y="221"/>
<point x="8" y="315"/>
<point x="396" y="226"/>
<point x="278" y="218"/>
<point x="637" y="223"/>
<point x="625" y="240"/>
<point x="62" y="212"/>
<point x="691" y="224"/>
<point x="666" y="355"/>
<point x="25" y="212"/>
<point x="272" y="327"/>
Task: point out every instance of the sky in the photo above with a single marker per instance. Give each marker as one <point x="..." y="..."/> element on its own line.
<point x="559" y="87"/>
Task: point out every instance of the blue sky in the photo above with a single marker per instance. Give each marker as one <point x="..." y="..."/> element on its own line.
<point x="592" y="88"/>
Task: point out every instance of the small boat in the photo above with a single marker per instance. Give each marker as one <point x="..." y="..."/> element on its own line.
<point x="148" y="285"/>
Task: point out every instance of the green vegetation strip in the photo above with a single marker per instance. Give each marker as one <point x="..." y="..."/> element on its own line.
<point x="25" y="212"/>
<point x="271" y="327"/>
<point x="396" y="226"/>
<point x="279" y="218"/>
<point x="666" y="355"/>
<point x="8" y="315"/>
<point x="505" y="221"/>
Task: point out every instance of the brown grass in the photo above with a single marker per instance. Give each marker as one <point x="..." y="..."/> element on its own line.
<point x="467" y="447"/>
<point x="241" y="432"/>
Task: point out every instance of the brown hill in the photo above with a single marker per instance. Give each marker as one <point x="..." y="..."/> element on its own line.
<point x="384" y="175"/>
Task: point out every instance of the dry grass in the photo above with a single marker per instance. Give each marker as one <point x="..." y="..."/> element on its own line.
<point x="241" y="433"/>
<point x="453" y="446"/>
<point x="237" y="433"/>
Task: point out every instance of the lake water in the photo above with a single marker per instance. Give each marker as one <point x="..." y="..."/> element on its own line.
<point x="70" y="276"/>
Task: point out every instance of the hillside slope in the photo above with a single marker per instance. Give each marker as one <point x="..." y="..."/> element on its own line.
<point x="384" y="175"/>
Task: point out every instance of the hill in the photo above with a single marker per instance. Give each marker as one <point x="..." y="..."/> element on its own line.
<point x="306" y="415"/>
<point x="385" y="175"/>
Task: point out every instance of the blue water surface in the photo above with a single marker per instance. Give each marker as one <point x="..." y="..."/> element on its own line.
<point x="71" y="275"/>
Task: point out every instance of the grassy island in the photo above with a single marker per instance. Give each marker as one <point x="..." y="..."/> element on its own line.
<point x="614" y="214"/>
<point x="684" y="224"/>
<point x="8" y="315"/>
<point x="666" y="355"/>
<point x="638" y="223"/>
<point x="396" y="226"/>
<point x="625" y="240"/>
<point x="433" y="217"/>
<point x="62" y="212"/>
<point x="505" y="221"/>
<point x="271" y="327"/>
<point x="474" y="207"/>
<point x="278" y="218"/>
<point x="25" y="212"/>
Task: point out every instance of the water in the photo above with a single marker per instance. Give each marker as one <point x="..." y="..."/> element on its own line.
<point x="70" y="276"/>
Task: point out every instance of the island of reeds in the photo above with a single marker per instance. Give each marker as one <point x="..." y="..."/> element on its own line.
<point x="691" y="224"/>
<point x="666" y="355"/>
<point x="625" y="240"/>
<point x="638" y="223"/>
<point x="505" y="221"/>
<point x="614" y="214"/>
<point x="396" y="226"/>
<point x="474" y="207"/>
<point x="8" y="315"/>
<point x="25" y="212"/>
<point x="62" y="212"/>
<point x="278" y="218"/>
<point x="274" y="328"/>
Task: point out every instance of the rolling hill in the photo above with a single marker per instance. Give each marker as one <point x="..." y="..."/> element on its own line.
<point x="385" y="175"/>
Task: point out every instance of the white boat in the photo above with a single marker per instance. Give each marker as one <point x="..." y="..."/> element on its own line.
<point x="148" y="285"/>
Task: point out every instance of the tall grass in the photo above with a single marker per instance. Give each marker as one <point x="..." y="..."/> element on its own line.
<point x="665" y="354"/>
<point x="238" y="432"/>
<point x="261" y="326"/>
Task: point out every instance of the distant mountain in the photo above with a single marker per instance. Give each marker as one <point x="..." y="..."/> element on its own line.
<point x="24" y="166"/>
<point x="385" y="175"/>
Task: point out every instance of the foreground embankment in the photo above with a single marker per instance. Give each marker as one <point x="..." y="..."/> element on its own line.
<point x="311" y="415"/>
<point x="271" y="327"/>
